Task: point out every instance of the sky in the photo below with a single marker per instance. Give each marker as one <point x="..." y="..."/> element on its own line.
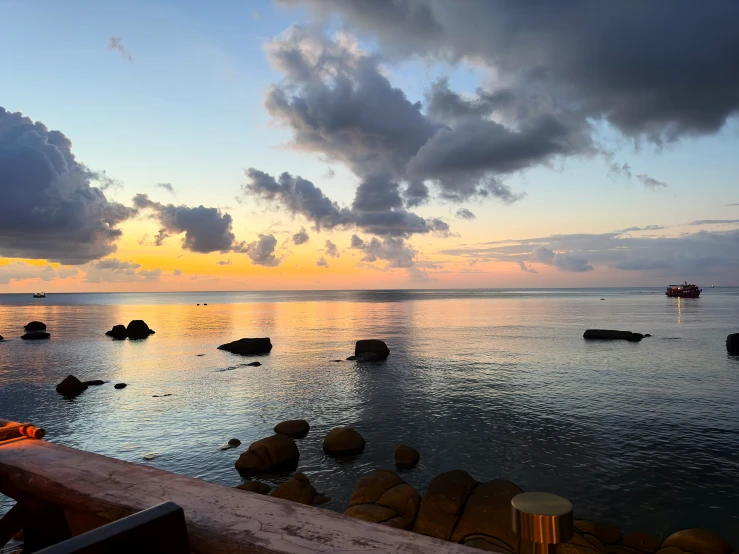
<point x="349" y="144"/>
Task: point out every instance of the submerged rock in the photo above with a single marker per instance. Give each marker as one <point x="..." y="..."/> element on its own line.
<point x="295" y="428"/>
<point x="298" y="489"/>
<point x="71" y="386"/>
<point x="248" y="347"/>
<point x="406" y="457"/>
<point x="254" y="486"/>
<point x="94" y="383"/>
<point x="254" y="364"/>
<point x="442" y="504"/>
<point x="118" y="332"/>
<point x="371" y="349"/>
<point x="138" y="329"/>
<point x="608" y="334"/>
<point x="732" y="344"/>
<point x="120" y="386"/>
<point x="36" y="335"/>
<point x="35" y="326"/>
<point x="343" y="441"/>
<point x="268" y="454"/>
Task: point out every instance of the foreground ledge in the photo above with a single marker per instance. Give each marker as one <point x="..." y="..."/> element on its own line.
<point x="93" y="490"/>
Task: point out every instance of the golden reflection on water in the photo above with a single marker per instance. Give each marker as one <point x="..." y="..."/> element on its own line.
<point x="679" y="309"/>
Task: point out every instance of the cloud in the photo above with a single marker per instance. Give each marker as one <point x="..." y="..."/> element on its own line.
<point x="177" y="272"/>
<point x="206" y="229"/>
<point x="261" y="251"/>
<point x="527" y="268"/>
<point x="166" y="186"/>
<point x="115" y="43"/>
<point x="715" y="222"/>
<point x="112" y="270"/>
<point x="322" y="262"/>
<point x="394" y="250"/>
<point x="20" y="271"/>
<point x="440" y="228"/>
<point x="301" y="237"/>
<point x="689" y="254"/>
<point x="650" y="182"/>
<point x="332" y="250"/>
<point x="464" y="213"/>
<point x="224" y="262"/>
<point x="49" y="208"/>
<point x="657" y="70"/>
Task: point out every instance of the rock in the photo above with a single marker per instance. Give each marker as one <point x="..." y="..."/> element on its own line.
<point x="118" y="332"/>
<point x="607" y="534"/>
<point x="732" y="345"/>
<point x="371" y="346"/>
<point x="669" y="550"/>
<point x="234" y="442"/>
<point x="298" y="489"/>
<point x="595" y="541"/>
<point x="268" y="454"/>
<point x="254" y="364"/>
<point x="295" y="428"/>
<point x="248" y="347"/>
<point x="642" y="541"/>
<point x="442" y="503"/>
<point x="403" y="499"/>
<point x="371" y="486"/>
<point x="621" y="549"/>
<point x="35" y="326"/>
<point x="579" y="544"/>
<point x="71" y="386"/>
<point x="647" y="335"/>
<point x="138" y="329"/>
<point x="488" y="512"/>
<point x="698" y="541"/>
<point x="320" y="499"/>
<point x="254" y="486"/>
<point x="607" y="334"/>
<point x="151" y="455"/>
<point x="161" y="395"/>
<point x="94" y="383"/>
<point x="370" y="512"/>
<point x="343" y="441"/>
<point x="406" y="457"/>
<point x="1" y="337"/>
<point x="120" y="386"/>
<point x="36" y="335"/>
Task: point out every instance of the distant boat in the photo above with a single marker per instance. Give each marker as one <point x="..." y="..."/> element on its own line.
<point x="39" y="295"/>
<point x="683" y="291"/>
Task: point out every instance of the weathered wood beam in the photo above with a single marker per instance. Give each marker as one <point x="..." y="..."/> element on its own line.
<point x="10" y="524"/>
<point x="219" y="519"/>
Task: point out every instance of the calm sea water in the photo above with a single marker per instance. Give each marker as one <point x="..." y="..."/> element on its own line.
<point x="499" y="383"/>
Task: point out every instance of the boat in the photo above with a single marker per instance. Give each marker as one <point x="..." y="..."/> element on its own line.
<point x="39" y="295"/>
<point x="683" y="291"/>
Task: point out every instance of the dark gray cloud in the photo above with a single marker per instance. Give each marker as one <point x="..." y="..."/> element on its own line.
<point x="301" y="237"/>
<point x="691" y="254"/>
<point x="715" y="222"/>
<point x="20" y="271"/>
<point x="737" y="204"/>
<point x="206" y="229"/>
<point x="261" y="251"/>
<point x="111" y="270"/>
<point x="464" y="213"/>
<point x="115" y="43"/>
<point x="332" y="250"/>
<point x="49" y="208"/>
<point x="393" y="250"/>
<point x="322" y="262"/>
<point x="224" y="262"/>
<point x="658" y="69"/>
<point x="166" y="186"/>
<point x="650" y="182"/>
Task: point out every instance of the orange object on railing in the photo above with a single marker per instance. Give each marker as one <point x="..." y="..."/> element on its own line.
<point x="14" y="429"/>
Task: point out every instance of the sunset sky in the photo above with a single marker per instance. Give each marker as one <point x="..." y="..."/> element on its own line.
<point x="334" y="144"/>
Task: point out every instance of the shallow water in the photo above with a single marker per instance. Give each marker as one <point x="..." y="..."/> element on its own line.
<point x="499" y="383"/>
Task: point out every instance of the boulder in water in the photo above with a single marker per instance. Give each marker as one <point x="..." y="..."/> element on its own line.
<point x="268" y="454"/>
<point x="406" y="457"/>
<point x="94" y="383"/>
<point x="234" y="442"/>
<point x="442" y="504"/>
<point x="382" y="497"/>
<point x="138" y="329"/>
<point x="71" y="386"/>
<point x="295" y="428"/>
<point x="120" y="386"/>
<point x="698" y="541"/>
<point x="35" y="326"/>
<point x="1" y="337"/>
<point x="254" y="364"/>
<point x="343" y="441"/>
<point x="371" y="349"/>
<point x="732" y="344"/>
<point x="248" y="347"/>
<point x="254" y="486"/>
<point x="608" y="334"/>
<point x="298" y="489"/>
<point x="118" y="332"/>
<point x="36" y="335"/>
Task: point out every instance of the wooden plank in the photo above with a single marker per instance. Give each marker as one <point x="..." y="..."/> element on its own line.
<point x="220" y="519"/>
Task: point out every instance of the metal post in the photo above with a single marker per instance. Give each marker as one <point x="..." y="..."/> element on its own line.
<point x="543" y="518"/>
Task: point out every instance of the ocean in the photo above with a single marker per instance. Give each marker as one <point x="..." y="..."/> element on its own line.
<point x="499" y="383"/>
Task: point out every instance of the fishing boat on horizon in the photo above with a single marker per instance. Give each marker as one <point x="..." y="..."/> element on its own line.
<point x="683" y="291"/>
<point x="39" y="295"/>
